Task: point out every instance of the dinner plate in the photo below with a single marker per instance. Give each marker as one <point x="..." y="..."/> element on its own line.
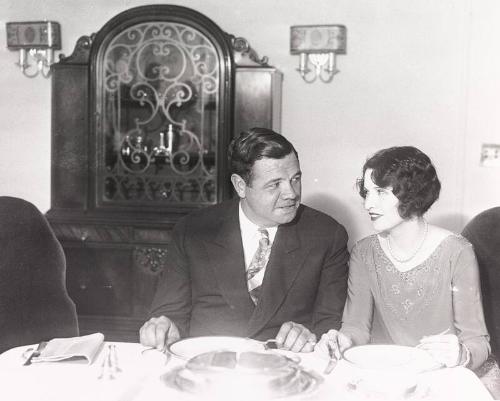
<point x="244" y="376"/>
<point x="189" y="347"/>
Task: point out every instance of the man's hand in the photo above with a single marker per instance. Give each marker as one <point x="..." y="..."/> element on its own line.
<point x="295" y="337"/>
<point x="159" y="332"/>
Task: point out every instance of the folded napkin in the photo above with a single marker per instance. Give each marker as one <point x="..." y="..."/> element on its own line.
<point x="74" y="348"/>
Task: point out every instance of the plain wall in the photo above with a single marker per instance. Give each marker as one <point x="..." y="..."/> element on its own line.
<point x="422" y="73"/>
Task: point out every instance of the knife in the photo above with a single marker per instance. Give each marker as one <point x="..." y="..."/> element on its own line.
<point x="334" y="359"/>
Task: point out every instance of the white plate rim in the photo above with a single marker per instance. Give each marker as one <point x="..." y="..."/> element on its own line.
<point x="172" y="347"/>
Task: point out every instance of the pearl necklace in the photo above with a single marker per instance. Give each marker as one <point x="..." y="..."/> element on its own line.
<point x="414" y="253"/>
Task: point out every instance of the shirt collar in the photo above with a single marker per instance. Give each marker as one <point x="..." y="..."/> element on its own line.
<point x="249" y="229"/>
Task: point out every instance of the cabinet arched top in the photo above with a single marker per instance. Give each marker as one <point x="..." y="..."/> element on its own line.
<point x="166" y="13"/>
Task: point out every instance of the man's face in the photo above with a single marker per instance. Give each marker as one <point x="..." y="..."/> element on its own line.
<point x="272" y="196"/>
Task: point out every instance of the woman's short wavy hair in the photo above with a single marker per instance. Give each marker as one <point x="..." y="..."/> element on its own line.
<point x="253" y="145"/>
<point x="411" y="175"/>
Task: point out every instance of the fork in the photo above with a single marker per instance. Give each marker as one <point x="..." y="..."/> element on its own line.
<point x="114" y="358"/>
<point x="107" y="366"/>
<point x="165" y="351"/>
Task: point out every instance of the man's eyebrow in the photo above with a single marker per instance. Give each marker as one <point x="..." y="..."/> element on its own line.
<point x="273" y="180"/>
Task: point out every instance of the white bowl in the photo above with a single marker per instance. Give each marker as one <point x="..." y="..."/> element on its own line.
<point x="389" y="371"/>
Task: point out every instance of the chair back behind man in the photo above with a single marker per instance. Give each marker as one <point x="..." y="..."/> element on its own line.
<point x="34" y="303"/>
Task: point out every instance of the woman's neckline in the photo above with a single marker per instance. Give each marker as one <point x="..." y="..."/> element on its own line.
<point x="417" y="265"/>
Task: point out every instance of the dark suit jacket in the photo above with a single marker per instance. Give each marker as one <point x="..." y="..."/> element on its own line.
<point x="203" y="288"/>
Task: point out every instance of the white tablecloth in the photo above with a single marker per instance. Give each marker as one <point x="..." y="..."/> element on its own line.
<point x="140" y="380"/>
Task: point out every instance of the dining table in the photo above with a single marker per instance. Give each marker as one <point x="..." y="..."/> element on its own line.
<point x="139" y="374"/>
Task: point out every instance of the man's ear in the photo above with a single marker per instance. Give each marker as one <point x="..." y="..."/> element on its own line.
<point x="239" y="185"/>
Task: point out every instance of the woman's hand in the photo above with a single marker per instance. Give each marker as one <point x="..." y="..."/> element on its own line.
<point x="444" y="348"/>
<point x="333" y="343"/>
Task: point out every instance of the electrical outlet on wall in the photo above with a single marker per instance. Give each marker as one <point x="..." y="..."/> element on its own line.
<point x="490" y="155"/>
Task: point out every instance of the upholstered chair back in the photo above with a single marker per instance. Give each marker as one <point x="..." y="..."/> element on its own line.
<point x="34" y="303"/>
<point x="483" y="231"/>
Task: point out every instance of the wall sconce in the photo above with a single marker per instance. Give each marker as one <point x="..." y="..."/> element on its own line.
<point x="318" y="46"/>
<point x="36" y="41"/>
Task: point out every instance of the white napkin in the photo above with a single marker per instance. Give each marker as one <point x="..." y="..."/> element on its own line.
<point x="83" y="348"/>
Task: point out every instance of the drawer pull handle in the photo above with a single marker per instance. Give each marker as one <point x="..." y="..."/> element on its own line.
<point x="108" y="286"/>
<point x="83" y="286"/>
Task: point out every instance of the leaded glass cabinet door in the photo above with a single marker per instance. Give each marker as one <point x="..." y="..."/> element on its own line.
<point x="162" y="111"/>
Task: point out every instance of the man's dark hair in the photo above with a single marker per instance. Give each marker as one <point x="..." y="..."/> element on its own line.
<point x="256" y="144"/>
<point x="411" y="175"/>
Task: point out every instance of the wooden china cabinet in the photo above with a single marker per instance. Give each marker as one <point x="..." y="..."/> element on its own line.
<point x="142" y="113"/>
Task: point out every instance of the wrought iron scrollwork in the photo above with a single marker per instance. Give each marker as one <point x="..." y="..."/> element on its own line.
<point x="160" y="86"/>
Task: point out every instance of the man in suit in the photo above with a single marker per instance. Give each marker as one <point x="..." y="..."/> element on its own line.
<point x="262" y="265"/>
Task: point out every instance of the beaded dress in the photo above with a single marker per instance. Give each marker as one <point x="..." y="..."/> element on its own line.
<point x="443" y="292"/>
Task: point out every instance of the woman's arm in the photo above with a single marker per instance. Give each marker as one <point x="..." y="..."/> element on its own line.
<point x="468" y="308"/>
<point x="358" y="310"/>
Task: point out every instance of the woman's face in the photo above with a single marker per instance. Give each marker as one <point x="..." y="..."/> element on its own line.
<point x="381" y="204"/>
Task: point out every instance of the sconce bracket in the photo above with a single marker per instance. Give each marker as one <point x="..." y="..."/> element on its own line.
<point x="33" y="35"/>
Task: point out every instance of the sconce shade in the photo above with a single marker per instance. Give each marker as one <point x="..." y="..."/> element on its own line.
<point x="318" y="39"/>
<point x="33" y="35"/>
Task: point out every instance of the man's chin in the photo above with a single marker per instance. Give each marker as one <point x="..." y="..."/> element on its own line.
<point x="286" y="216"/>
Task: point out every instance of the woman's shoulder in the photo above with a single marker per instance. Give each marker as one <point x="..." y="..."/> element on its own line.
<point x="365" y="245"/>
<point x="440" y="234"/>
<point x="443" y="238"/>
<point x="366" y="242"/>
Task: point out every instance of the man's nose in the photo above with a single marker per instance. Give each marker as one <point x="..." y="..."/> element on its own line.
<point x="289" y="192"/>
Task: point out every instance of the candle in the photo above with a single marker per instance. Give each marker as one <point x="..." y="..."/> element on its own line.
<point x="302" y="63"/>
<point x="170" y="135"/>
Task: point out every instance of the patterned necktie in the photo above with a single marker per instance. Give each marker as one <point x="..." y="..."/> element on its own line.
<point x="255" y="271"/>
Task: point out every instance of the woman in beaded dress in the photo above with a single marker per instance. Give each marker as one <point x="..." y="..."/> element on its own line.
<point x="412" y="283"/>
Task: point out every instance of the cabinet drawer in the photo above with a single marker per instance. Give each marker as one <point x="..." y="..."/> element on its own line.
<point x="92" y="233"/>
<point x="150" y="235"/>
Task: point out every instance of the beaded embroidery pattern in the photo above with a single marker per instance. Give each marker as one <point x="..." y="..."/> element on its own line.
<point x="408" y="293"/>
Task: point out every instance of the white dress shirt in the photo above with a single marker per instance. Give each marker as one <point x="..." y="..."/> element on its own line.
<point x="250" y="237"/>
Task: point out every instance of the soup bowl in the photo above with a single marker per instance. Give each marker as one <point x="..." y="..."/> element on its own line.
<point x="386" y="371"/>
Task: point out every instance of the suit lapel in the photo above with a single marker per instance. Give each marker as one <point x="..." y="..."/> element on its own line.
<point x="226" y="258"/>
<point x="285" y="262"/>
